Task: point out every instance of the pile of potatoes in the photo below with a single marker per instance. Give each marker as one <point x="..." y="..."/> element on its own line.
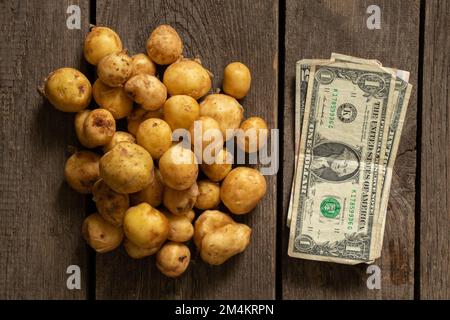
<point x="145" y="186"/>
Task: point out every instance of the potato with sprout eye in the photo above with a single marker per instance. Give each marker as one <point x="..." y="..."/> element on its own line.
<point x="147" y="91"/>
<point x="180" y="201"/>
<point x="141" y="64"/>
<point x="100" y="234"/>
<point x="209" y="195"/>
<point x="139" y="115"/>
<point x="181" y="111"/>
<point x="95" y="128"/>
<point x="127" y="168"/>
<point x="155" y="136"/>
<point x="253" y="135"/>
<point x="164" y="46"/>
<point x="145" y="226"/>
<point x="110" y="204"/>
<point x="115" y="69"/>
<point x="220" y="167"/>
<point x="152" y="194"/>
<point x="115" y="100"/>
<point x="68" y="90"/>
<point x="181" y="228"/>
<point x="173" y="259"/>
<point x="136" y="252"/>
<point x="100" y="42"/>
<point x="82" y="171"/>
<point x="118" y="137"/>
<point x="236" y="80"/>
<point x="178" y="167"/>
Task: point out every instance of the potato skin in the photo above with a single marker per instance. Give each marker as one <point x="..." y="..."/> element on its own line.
<point x="209" y="195"/>
<point x="145" y="226"/>
<point x="257" y="131"/>
<point x="147" y="91"/>
<point x="100" y="42"/>
<point x="181" y="228"/>
<point x="155" y="136"/>
<point x="136" y="252"/>
<point x="141" y="64"/>
<point x="209" y="221"/>
<point x="115" y="100"/>
<point x="118" y="137"/>
<point x="100" y="234"/>
<point x="68" y="90"/>
<point x="218" y="170"/>
<point x="82" y="171"/>
<point x="180" y="201"/>
<point x="225" y="109"/>
<point x="236" y="80"/>
<point x="225" y="242"/>
<point x="206" y="132"/>
<point x="152" y="194"/>
<point x="173" y="259"/>
<point x="164" y="46"/>
<point x="110" y="204"/>
<point x="178" y="167"/>
<point x="138" y="115"/>
<point x="187" y="77"/>
<point x="242" y="189"/>
<point x="181" y="111"/>
<point x="95" y="128"/>
<point x="190" y="215"/>
<point x="115" y="69"/>
<point x="127" y="168"/>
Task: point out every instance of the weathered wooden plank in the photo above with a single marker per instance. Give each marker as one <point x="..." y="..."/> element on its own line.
<point x="314" y="29"/>
<point x="435" y="155"/>
<point x="40" y="215"/>
<point x="218" y="33"/>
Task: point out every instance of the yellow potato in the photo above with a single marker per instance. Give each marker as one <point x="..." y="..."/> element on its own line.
<point x="147" y="91"/>
<point x="95" y="128"/>
<point x="115" y="100"/>
<point x="68" y="90"/>
<point x="100" y="42"/>
<point x="164" y="46"/>
<point x="190" y="215"/>
<point x="173" y="259"/>
<point x="226" y="110"/>
<point x="115" y="69"/>
<point x="209" y="195"/>
<point x="145" y="226"/>
<point x="152" y="194"/>
<point x="180" y="201"/>
<point x="187" y="77"/>
<point x="82" y="171"/>
<point x="100" y="234"/>
<point x="236" y="80"/>
<point x="118" y="137"/>
<point x="127" y="168"/>
<point x="178" y="167"/>
<point x="221" y="166"/>
<point x="242" y="189"/>
<point x="181" y="228"/>
<point x="110" y="204"/>
<point x="206" y="137"/>
<point x="207" y="222"/>
<point x="181" y="111"/>
<point x="155" y="136"/>
<point x="141" y="64"/>
<point x="138" y="115"/>
<point x="253" y="135"/>
<point x="136" y="252"/>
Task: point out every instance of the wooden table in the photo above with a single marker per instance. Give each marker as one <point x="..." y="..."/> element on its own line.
<point x="41" y="216"/>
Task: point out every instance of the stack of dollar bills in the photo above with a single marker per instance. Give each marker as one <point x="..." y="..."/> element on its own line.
<point x="349" y="114"/>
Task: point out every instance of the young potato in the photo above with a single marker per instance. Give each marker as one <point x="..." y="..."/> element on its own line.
<point x="181" y="111"/>
<point x="225" y="242"/>
<point x="190" y="215"/>
<point x="209" y="195"/>
<point x="145" y="226"/>
<point x="152" y="194"/>
<point x="100" y="42"/>
<point x="236" y="80"/>
<point x="173" y="259"/>
<point x="178" y="167"/>
<point x="207" y="222"/>
<point x="95" y="128"/>
<point x="206" y="132"/>
<point x="136" y="252"/>
<point x="180" y="201"/>
<point x="110" y="204"/>
<point x="115" y="69"/>
<point x="164" y="46"/>
<point x="82" y="171"/>
<point x="187" y="77"/>
<point x="225" y="110"/>
<point x="242" y="189"/>
<point x="141" y="64"/>
<point x="100" y="234"/>
<point x="138" y="115"/>
<point x="181" y="228"/>
<point x="118" y="137"/>
<point x="68" y="90"/>
<point x="147" y="91"/>
<point x="218" y="170"/>
<point x="155" y="136"/>
<point x="127" y="168"/>
<point x="253" y="134"/>
<point x="115" y="100"/>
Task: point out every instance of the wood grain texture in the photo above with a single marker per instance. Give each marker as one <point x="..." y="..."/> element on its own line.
<point x="435" y="156"/>
<point x="315" y="29"/>
<point x="40" y="216"/>
<point x="218" y="32"/>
